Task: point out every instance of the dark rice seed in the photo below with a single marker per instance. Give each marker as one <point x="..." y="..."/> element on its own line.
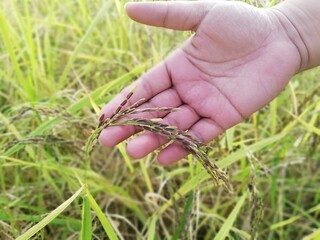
<point x="163" y="125"/>
<point x="101" y="118"/>
<point x="124" y="102"/>
<point x="129" y="95"/>
<point x="215" y="166"/>
<point x="118" y="110"/>
<point x="180" y="139"/>
<point x="112" y="115"/>
<point x="186" y="143"/>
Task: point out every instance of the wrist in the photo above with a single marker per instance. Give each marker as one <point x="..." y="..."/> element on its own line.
<point x="301" y="21"/>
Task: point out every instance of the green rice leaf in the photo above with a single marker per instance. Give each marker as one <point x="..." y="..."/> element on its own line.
<point x="224" y="230"/>
<point x="310" y="127"/>
<point x="122" y="149"/>
<point x="105" y="222"/>
<point x="86" y="228"/>
<point x="61" y="220"/>
<point x="152" y="228"/>
<point x="313" y="236"/>
<point x="184" y="217"/>
<point x="36" y="228"/>
<point x="293" y="219"/>
<point x="146" y="176"/>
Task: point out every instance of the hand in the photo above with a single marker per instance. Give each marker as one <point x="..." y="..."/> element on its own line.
<point x="238" y="60"/>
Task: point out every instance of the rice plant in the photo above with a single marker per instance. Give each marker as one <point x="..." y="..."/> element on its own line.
<point x="192" y="145"/>
<point x="60" y="62"/>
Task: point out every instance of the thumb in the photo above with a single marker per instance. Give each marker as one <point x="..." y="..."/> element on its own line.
<point x="181" y="15"/>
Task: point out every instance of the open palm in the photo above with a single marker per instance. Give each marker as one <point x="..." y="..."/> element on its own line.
<point x="238" y="60"/>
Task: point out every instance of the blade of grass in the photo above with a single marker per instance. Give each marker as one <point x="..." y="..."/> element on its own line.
<point x="122" y="150"/>
<point x="224" y="230"/>
<point x="293" y="123"/>
<point x="232" y="158"/>
<point x="313" y="236"/>
<point x="255" y="125"/>
<point x="184" y="217"/>
<point x="152" y="228"/>
<point x="36" y="228"/>
<point x="86" y="228"/>
<point x="285" y="222"/>
<point x="105" y="222"/>
<point x="312" y="122"/>
<point x="309" y="127"/>
<point x="273" y="116"/>
<point x="146" y="174"/>
<point x="73" y="223"/>
<point x="293" y="98"/>
<point x="215" y="216"/>
<point x="293" y="219"/>
<point x="229" y="137"/>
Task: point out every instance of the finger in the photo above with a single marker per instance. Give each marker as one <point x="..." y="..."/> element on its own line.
<point x="113" y="135"/>
<point x="148" y="142"/>
<point x="182" y="15"/>
<point x="176" y="68"/>
<point x="204" y="130"/>
<point x="153" y="82"/>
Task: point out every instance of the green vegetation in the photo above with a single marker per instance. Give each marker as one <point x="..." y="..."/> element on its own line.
<point x="60" y="61"/>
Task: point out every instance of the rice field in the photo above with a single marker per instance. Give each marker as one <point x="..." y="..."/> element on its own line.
<point x="60" y="62"/>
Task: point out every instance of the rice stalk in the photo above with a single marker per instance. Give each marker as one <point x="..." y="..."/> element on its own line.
<point x="191" y="144"/>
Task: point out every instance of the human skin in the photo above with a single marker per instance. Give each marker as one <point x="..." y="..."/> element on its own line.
<point x="238" y="60"/>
